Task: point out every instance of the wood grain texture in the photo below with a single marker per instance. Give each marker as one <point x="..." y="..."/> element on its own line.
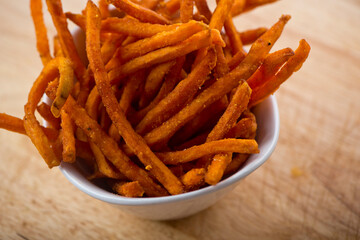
<point x="320" y="135"/>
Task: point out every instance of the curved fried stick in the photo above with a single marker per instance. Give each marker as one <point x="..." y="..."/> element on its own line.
<point x="221" y="87"/>
<point x="193" y="178"/>
<point x="139" y="12"/>
<point x="31" y="125"/>
<point x="237" y="105"/>
<point x="176" y="99"/>
<point x="66" y="83"/>
<point x="153" y="82"/>
<point x="133" y="140"/>
<point x="160" y="40"/>
<point x="214" y="147"/>
<point x="42" y="42"/>
<point x="15" y="124"/>
<point x="196" y="41"/>
<point x="110" y="149"/>
<point x="91" y="106"/>
<point x="220" y="14"/>
<point x="270" y="66"/>
<point x="69" y="48"/>
<point x="186" y="10"/>
<point x="67" y="138"/>
<point x="133" y="27"/>
<point x="273" y="83"/>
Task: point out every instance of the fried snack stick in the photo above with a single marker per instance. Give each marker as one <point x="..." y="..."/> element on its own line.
<point x="133" y="140"/>
<point x="31" y="125"/>
<point x="221" y="67"/>
<point x="153" y="82"/>
<point x="68" y="47"/>
<point x="66" y="83"/>
<point x="237" y="105"/>
<point x="132" y="27"/>
<point x="203" y="8"/>
<point x="236" y="60"/>
<point x="186" y="10"/>
<point x="238" y="7"/>
<point x="50" y="90"/>
<point x="196" y="41"/>
<point x="110" y="149"/>
<point x="216" y="169"/>
<point x="249" y="132"/>
<point x="234" y="38"/>
<point x="104" y="9"/>
<point x="139" y="12"/>
<point x="160" y="40"/>
<point x="220" y="14"/>
<point x="270" y="66"/>
<point x="172" y="6"/>
<point x="251" y="35"/>
<point x="68" y="139"/>
<point x="235" y="163"/>
<point x="205" y="119"/>
<point x="91" y="106"/>
<point x="209" y="148"/>
<point x="176" y="99"/>
<point x="129" y="92"/>
<point x="42" y="42"/>
<point x="244" y="129"/>
<point x="149" y="4"/>
<point x="216" y="22"/>
<point x="273" y="83"/>
<point x="221" y="87"/>
<point x="193" y="179"/>
<point x="11" y="123"/>
<point x="110" y="45"/>
<point x="15" y="124"/>
<point x="45" y="112"/>
<point x="127" y="96"/>
<point x="128" y="189"/>
<point x="78" y="19"/>
<point x="220" y="162"/>
<point x="57" y="47"/>
<point x="170" y="81"/>
<point x="104" y="121"/>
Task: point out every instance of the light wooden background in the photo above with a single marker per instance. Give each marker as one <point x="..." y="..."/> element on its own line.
<point x="320" y="135"/>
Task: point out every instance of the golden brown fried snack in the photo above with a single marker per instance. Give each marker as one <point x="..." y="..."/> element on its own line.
<point x="132" y="139"/>
<point x="164" y="69"/>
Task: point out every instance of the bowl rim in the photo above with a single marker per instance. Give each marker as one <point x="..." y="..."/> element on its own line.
<point x="126" y="201"/>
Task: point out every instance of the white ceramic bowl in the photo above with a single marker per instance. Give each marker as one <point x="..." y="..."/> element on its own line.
<point x="186" y="204"/>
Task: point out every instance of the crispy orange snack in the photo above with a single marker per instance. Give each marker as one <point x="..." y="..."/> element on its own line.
<point x="111" y="150"/>
<point x="42" y="42"/>
<point x="132" y="139"/>
<point x="139" y="12"/>
<point x="164" y="69"/>
<point x="222" y="86"/>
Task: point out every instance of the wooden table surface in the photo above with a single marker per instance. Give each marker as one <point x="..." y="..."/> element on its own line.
<point x="319" y="136"/>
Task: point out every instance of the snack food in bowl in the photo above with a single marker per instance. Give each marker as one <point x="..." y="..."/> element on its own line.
<point x="160" y="108"/>
<point x="186" y="204"/>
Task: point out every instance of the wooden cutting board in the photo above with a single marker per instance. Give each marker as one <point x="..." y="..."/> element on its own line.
<point x="309" y="188"/>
